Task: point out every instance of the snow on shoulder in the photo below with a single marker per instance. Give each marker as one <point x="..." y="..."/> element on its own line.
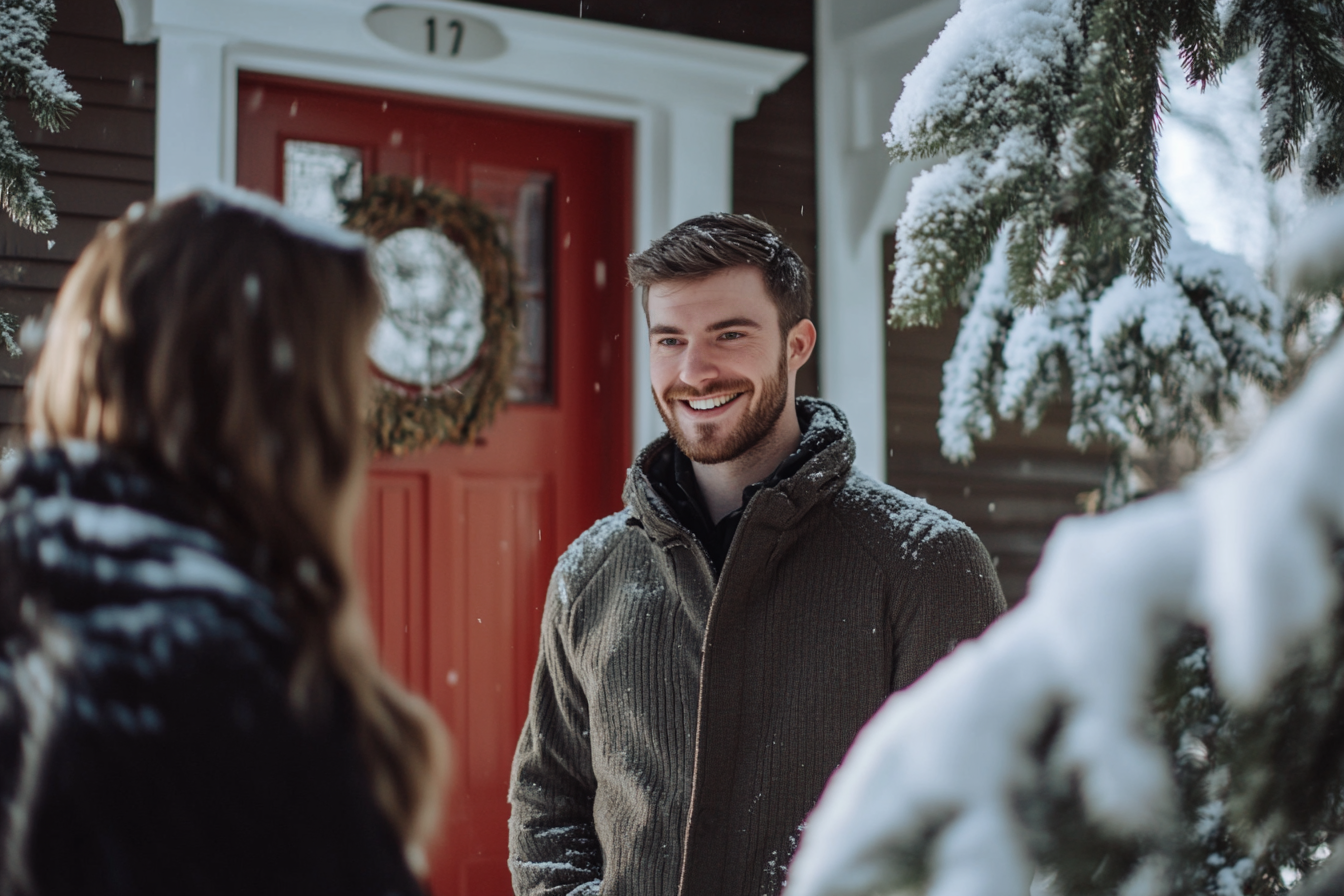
<point x="583" y="558"/>
<point x="309" y="229"/>
<point x="894" y="514"/>
<point x="1244" y="550"/>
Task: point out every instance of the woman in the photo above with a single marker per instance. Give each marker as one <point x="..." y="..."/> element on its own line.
<point x="189" y="700"/>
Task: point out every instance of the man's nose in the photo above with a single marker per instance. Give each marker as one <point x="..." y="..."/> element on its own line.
<point x="697" y="365"/>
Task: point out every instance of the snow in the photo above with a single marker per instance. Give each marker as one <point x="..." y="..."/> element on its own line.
<point x="182" y="558"/>
<point x="912" y="523"/>
<point x="9" y="330"/>
<point x="22" y="196"/>
<point x="117" y="527"/>
<point x="967" y="379"/>
<point x="1207" y="326"/>
<point x="324" y="233"/>
<point x="988" y="51"/>
<point x="1209" y="164"/>
<point x="984" y="94"/>
<point x="1243" y="550"/>
<point x="959" y="194"/>
<point x="432" y="325"/>
<point x="584" y="556"/>
<point x="1262" y="584"/>
<point x="1310" y="257"/>
<point x="23" y="35"/>
<point x="317" y="176"/>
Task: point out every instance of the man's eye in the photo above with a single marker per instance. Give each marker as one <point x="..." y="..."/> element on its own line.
<point x="669" y="340"/>
<point x="731" y="335"/>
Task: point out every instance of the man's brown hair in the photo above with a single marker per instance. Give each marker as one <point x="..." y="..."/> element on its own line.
<point x="703" y="246"/>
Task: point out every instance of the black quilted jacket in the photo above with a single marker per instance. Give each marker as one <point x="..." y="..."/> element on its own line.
<point x="147" y="744"/>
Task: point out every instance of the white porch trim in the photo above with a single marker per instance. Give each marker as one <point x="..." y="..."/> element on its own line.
<point x="681" y="93"/>
<point x="864" y="50"/>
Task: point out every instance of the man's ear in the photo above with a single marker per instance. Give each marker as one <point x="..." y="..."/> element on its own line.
<point x="802" y="339"/>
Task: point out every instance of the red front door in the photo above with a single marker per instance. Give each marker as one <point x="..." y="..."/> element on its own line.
<point x="457" y="543"/>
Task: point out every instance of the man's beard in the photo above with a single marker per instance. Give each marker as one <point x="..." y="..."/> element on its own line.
<point x="758" y="422"/>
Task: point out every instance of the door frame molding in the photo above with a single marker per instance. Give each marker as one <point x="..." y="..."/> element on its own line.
<point x="682" y="94"/>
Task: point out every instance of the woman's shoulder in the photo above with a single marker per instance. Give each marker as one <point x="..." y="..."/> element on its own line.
<point x="147" y="625"/>
<point x="131" y="596"/>
<point x="170" y="753"/>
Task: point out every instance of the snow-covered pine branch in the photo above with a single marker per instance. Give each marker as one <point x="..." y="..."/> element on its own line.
<point x="9" y="333"/>
<point x="1042" y="734"/>
<point x="25" y="73"/>
<point x="1049" y="111"/>
<point x="1160" y="361"/>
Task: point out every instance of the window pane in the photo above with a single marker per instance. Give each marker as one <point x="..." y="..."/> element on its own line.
<point x="318" y="175"/>
<point x="521" y="202"/>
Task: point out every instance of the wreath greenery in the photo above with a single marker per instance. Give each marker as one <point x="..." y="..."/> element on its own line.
<point x="402" y="418"/>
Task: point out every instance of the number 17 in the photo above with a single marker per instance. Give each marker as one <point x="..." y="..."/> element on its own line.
<point x="432" y="29"/>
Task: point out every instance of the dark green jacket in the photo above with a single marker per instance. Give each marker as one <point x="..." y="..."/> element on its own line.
<point x="681" y="728"/>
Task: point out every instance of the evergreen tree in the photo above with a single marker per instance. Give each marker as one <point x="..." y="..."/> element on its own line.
<point x="1259" y="792"/>
<point x="24" y="73"/>
<point x="1049" y="111"/>
<point x="1163" y="714"/>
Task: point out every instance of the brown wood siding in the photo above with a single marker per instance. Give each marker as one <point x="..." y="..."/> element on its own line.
<point x="95" y="168"/>
<point x="1017" y="487"/>
<point x="774" y="154"/>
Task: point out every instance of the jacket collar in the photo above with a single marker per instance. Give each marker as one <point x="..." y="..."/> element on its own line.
<point x="826" y="438"/>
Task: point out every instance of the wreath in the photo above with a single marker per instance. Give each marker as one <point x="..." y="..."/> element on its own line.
<point x="434" y="245"/>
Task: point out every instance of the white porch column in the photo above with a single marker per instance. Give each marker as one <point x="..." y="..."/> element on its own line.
<point x="189" y="143"/>
<point x="852" y="335"/>
<point x="864" y="49"/>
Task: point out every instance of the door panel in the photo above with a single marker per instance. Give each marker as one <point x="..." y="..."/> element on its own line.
<point x="456" y="544"/>
<point x="392" y="537"/>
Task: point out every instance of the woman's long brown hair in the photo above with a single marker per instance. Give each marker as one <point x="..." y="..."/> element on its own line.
<point x="224" y="350"/>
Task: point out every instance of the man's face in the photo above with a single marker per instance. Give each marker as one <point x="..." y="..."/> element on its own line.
<point x="718" y="362"/>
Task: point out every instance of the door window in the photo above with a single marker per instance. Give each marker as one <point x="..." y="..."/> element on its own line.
<point x="318" y="175"/>
<point x="521" y="202"/>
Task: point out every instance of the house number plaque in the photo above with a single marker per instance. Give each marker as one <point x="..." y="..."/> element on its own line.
<point x="441" y="33"/>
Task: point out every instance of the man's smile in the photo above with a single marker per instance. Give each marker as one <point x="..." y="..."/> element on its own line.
<point x="714" y="401"/>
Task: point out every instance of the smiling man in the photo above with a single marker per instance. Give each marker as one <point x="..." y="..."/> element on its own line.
<point x="709" y="653"/>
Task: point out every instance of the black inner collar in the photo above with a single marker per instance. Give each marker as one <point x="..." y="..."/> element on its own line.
<point x="673" y="475"/>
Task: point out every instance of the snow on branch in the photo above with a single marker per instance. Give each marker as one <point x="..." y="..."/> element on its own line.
<point x="936" y="795"/>
<point x="25" y="73"/>
<point x="1049" y="113"/>
<point x="1159" y="361"/>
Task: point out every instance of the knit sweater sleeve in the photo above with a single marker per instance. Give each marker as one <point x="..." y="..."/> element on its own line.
<point x="953" y="595"/>
<point x="553" y="845"/>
